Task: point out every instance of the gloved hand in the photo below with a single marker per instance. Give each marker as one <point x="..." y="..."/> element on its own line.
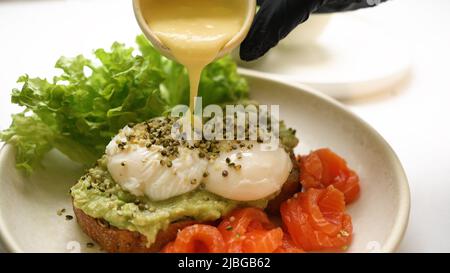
<point x="277" y="18"/>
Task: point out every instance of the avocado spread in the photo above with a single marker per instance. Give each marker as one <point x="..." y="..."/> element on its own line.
<point x="97" y="195"/>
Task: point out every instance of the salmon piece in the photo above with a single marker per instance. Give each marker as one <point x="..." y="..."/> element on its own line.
<point x="310" y="171"/>
<point x="323" y="167"/>
<point x="288" y="246"/>
<point x="169" y="248"/>
<point x="334" y="168"/>
<point x="315" y="219"/>
<point x="344" y="238"/>
<point x="332" y="200"/>
<point x="296" y="223"/>
<point x="197" y="239"/>
<point x="262" y="241"/>
<point x="235" y="246"/>
<point x="240" y="221"/>
<point x="350" y="187"/>
<point x="310" y="204"/>
<point x="249" y="230"/>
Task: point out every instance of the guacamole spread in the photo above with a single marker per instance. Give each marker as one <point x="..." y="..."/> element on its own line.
<point x="97" y="195"/>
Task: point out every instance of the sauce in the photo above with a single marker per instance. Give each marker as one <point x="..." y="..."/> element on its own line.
<point x="194" y="30"/>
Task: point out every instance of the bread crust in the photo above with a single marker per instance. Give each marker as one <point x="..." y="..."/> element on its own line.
<point x="290" y="187"/>
<point x="115" y="240"/>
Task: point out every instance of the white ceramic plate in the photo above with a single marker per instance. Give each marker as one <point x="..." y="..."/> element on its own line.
<point x="28" y="206"/>
<point x="341" y="55"/>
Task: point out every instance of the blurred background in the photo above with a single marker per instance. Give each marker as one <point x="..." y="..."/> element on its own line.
<point x="388" y="64"/>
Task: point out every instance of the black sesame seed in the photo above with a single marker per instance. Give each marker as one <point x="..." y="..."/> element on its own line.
<point x="69" y="217"/>
<point x="61" y="211"/>
<point x="224" y="173"/>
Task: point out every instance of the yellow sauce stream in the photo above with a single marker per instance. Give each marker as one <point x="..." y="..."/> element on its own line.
<point x="194" y="30"/>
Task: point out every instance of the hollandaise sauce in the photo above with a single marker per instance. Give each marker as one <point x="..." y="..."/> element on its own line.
<point x="195" y="31"/>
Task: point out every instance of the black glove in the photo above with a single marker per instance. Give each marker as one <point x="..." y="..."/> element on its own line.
<point x="277" y="18"/>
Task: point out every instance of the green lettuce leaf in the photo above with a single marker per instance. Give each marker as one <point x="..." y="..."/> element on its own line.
<point x="83" y="107"/>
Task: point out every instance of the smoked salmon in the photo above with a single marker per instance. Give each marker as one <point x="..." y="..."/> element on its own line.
<point x="316" y="220"/>
<point x="323" y="167"/>
<point x="197" y="239"/>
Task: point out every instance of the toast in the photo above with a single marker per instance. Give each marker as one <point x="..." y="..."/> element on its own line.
<point x="115" y="240"/>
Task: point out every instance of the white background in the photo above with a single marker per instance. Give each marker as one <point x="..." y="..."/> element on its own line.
<point x="412" y="116"/>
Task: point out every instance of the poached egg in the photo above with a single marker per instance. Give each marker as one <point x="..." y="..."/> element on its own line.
<point x="248" y="174"/>
<point x="144" y="170"/>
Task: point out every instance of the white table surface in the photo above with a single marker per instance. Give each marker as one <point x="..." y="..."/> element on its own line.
<point x="412" y="116"/>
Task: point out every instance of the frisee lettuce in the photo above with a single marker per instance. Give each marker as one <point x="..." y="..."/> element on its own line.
<point x="81" y="109"/>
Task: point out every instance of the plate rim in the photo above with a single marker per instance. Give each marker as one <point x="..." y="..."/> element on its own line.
<point x="6" y="239"/>
<point x="400" y="225"/>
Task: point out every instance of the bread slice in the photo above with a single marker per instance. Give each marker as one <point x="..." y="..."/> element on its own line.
<point x="290" y="187"/>
<point x="115" y="240"/>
